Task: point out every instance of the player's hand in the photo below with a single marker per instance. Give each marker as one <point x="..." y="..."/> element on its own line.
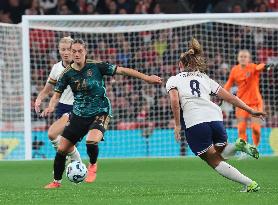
<point x="47" y="112"/>
<point x="153" y="79"/>
<point x="258" y="114"/>
<point x="178" y="133"/>
<point x="270" y="66"/>
<point x="220" y="102"/>
<point x="37" y="105"/>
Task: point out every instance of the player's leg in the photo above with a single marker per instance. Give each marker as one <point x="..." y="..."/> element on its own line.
<point x="64" y="148"/>
<point x="200" y="140"/>
<point x="54" y="134"/>
<point x="93" y="138"/>
<point x="242" y="117"/>
<point x="256" y="126"/>
<point x="256" y="131"/>
<point x="72" y="133"/>
<point x="95" y="135"/>
<point x="215" y="160"/>
<point x="55" y="130"/>
<point x="241" y="127"/>
<point x="219" y="137"/>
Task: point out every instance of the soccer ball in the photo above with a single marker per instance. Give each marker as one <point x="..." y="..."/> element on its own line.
<point x="76" y="171"/>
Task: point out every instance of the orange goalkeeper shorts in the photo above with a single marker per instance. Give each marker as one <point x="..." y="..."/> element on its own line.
<point x="243" y="114"/>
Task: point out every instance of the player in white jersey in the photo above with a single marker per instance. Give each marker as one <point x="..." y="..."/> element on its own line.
<point x="66" y="102"/>
<point x="190" y="90"/>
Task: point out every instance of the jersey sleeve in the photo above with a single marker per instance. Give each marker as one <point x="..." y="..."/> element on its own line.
<point x="214" y="87"/>
<point x="171" y="84"/>
<point x="107" y="68"/>
<point x="53" y="76"/>
<point x="61" y="85"/>
<point x="260" y="67"/>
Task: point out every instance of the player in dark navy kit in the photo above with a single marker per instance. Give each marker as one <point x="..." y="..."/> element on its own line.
<point x="205" y="132"/>
<point x="91" y="107"/>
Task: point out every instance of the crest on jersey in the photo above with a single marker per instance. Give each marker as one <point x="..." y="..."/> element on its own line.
<point x="89" y="73"/>
<point x="248" y="74"/>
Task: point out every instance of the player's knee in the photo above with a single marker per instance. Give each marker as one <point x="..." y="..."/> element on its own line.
<point x="62" y="151"/>
<point x="213" y="159"/>
<point x="219" y="149"/>
<point x="51" y="135"/>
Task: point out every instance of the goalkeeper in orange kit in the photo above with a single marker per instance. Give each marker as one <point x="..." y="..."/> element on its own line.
<point x="246" y="76"/>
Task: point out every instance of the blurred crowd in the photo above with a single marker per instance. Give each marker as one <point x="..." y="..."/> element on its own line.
<point x="12" y="10"/>
<point x="227" y="6"/>
<point x="136" y="104"/>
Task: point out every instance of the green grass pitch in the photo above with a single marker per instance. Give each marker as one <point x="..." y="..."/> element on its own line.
<point x="140" y="181"/>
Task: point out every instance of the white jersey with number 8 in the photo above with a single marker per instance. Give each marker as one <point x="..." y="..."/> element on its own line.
<point x="194" y="90"/>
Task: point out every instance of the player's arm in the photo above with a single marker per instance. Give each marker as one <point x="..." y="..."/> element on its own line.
<point x="111" y="69"/>
<point x="153" y="79"/>
<point x="60" y="86"/>
<point x="234" y="100"/>
<point x="52" y="104"/>
<point x="42" y="95"/>
<point x="175" y="106"/>
<point x="262" y="67"/>
<point x="51" y="81"/>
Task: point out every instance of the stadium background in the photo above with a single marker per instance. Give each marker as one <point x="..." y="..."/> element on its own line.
<point x="143" y="118"/>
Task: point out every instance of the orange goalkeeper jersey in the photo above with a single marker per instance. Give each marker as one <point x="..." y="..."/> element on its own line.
<point x="247" y="80"/>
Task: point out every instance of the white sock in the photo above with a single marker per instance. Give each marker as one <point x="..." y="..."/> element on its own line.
<point x="75" y="155"/>
<point x="59" y="181"/>
<point x="229" y="151"/>
<point x="232" y="173"/>
<point x="56" y="142"/>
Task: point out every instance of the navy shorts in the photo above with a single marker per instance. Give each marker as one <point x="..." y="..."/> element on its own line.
<point x="202" y="136"/>
<point x="62" y="109"/>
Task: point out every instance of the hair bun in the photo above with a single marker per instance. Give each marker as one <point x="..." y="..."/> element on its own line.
<point x="195" y="46"/>
<point x="191" y="51"/>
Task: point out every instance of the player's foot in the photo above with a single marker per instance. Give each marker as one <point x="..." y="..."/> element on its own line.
<point x="253" y="187"/>
<point x="92" y="173"/>
<point x="53" y="185"/>
<point x="243" y="146"/>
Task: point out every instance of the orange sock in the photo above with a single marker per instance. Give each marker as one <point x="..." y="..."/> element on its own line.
<point x="241" y="127"/>
<point x="256" y="133"/>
